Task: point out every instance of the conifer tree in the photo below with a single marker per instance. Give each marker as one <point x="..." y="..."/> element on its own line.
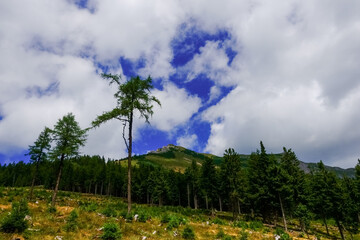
<point x="208" y="183"/>
<point x="68" y="138"/>
<point x="232" y="179"/>
<point x="38" y="154"/>
<point x="133" y="95"/>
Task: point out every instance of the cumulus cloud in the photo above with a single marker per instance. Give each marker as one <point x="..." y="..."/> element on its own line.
<point x="295" y="75"/>
<point x="177" y="107"/>
<point x="187" y="141"/>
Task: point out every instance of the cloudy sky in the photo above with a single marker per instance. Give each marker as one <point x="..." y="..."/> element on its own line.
<point x="228" y="73"/>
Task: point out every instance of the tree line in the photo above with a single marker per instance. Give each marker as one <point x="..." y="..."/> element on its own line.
<point x="269" y="188"/>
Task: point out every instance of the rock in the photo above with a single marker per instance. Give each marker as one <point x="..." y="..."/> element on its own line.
<point x="144" y="238"/>
<point x="277" y="237"/>
<point x="58" y="238"/>
<point x="154" y="232"/>
<point x="136" y="216"/>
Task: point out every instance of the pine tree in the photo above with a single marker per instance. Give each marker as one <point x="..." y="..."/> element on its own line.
<point x="262" y="191"/>
<point x="68" y="138"/>
<point x="133" y="95"/>
<point x="232" y="179"/>
<point x="38" y="153"/>
<point x="208" y="183"/>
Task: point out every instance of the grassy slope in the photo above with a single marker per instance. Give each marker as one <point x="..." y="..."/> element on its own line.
<point x="179" y="158"/>
<point x="92" y="215"/>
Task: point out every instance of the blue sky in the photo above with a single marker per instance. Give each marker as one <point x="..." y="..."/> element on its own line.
<point x="228" y="74"/>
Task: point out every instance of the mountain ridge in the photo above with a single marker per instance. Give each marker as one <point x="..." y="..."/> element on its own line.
<point x="178" y="158"/>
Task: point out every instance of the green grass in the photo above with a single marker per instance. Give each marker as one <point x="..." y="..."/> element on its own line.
<point x="84" y="216"/>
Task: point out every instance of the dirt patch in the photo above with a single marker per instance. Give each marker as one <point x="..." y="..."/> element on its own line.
<point x="5" y="207"/>
<point x="64" y="210"/>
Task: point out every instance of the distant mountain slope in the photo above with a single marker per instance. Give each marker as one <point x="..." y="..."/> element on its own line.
<point x="179" y="158"/>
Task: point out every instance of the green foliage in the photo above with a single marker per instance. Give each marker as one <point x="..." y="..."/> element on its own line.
<point x="219" y="221"/>
<point x="68" y="137"/>
<point x="244" y="235"/>
<point x="111" y="231"/>
<point x="283" y="235"/>
<point x="72" y="221"/>
<point x="15" y="222"/>
<point x="88" y="206"/>
<point x="256" y="225"/>
<point x="304" y="216"/>
<point x="109" y="211"/>
<point x="143" y="216"/>
<point x="222" y="235"/>
<point x="241" y="224"/>
<point x="51" y="209"/>
<point x="188" y="233"/>
<point x="165" y="218"/>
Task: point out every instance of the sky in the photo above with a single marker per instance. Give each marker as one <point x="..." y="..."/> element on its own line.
<point x="228" y="74"/>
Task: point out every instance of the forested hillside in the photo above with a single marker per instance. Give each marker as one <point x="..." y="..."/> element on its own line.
<point x="260" y="186"/>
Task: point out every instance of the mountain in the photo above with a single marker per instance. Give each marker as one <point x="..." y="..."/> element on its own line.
<point x="179" y="158"/>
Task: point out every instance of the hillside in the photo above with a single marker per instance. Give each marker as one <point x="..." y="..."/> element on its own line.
<point x="179" y="158"/>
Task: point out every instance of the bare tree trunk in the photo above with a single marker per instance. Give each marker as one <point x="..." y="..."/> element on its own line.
<point x="206" y="202"/>
<point x="57" y="181"/>
<point x="327" y="229"/>
<point x="129" y="161"/>
<point x="195" y="201"/>
<point x="147" y="197"/>
<point x="283" y="213"/>
<point x="188" y="194"/>
<point x="220" y="204"/>
<point x="239" y="209"/>
<point x="340" y="229"/>
<point x="101" y="189"/>
<point x="96" y="185"/>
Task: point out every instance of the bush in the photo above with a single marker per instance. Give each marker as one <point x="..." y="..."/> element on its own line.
<point x="71" y="221"/>
<point x="283" y="235"/>
<point x="244" y="235"/>
<point x="241" y="224"/>
<point x="15" y="222"/>
<point x="52" y="209"/>
<point x="165" y="218"/>
<point x="143" y="216"/>
<point x="219" y="221"/>
<point x="221" y="234"/>
<point x="188" y="233"/>
<point x="173" y="223"/>
<point x="109" y="211"/>
<point x="111" y="231"/>
<point x="256" y="225"/>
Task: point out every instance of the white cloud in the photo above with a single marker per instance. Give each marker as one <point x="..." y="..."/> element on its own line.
<point x="177" y="107"/>
<point x="187" y="141"/>
<point x="296" y="74"/>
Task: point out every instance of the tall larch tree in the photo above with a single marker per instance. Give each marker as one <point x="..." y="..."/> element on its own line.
<point x="133" y="95"/>
<point x="38" y="154"/>
<point x="68" y="137"/>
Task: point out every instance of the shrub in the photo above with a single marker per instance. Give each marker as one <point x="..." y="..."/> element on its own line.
<point x="283" y="235"/>
<point x="188" y="233"/>
<point x="111" y="231"/>
<point x="52" y="209"/>
<point x="143" y="216"/>
<point x="256" y="225"/>
<point x="109" y="211"/>
<point x="71" y="221"/>
<point x="15" y="222"/>
<point x="244" y="235"/>
<point x="165" y="218"/>
<point x="241" y="224"/>
<point x="219" y="221"/>
<point x="173" y="223"/>
<point x="221" y="234"/>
